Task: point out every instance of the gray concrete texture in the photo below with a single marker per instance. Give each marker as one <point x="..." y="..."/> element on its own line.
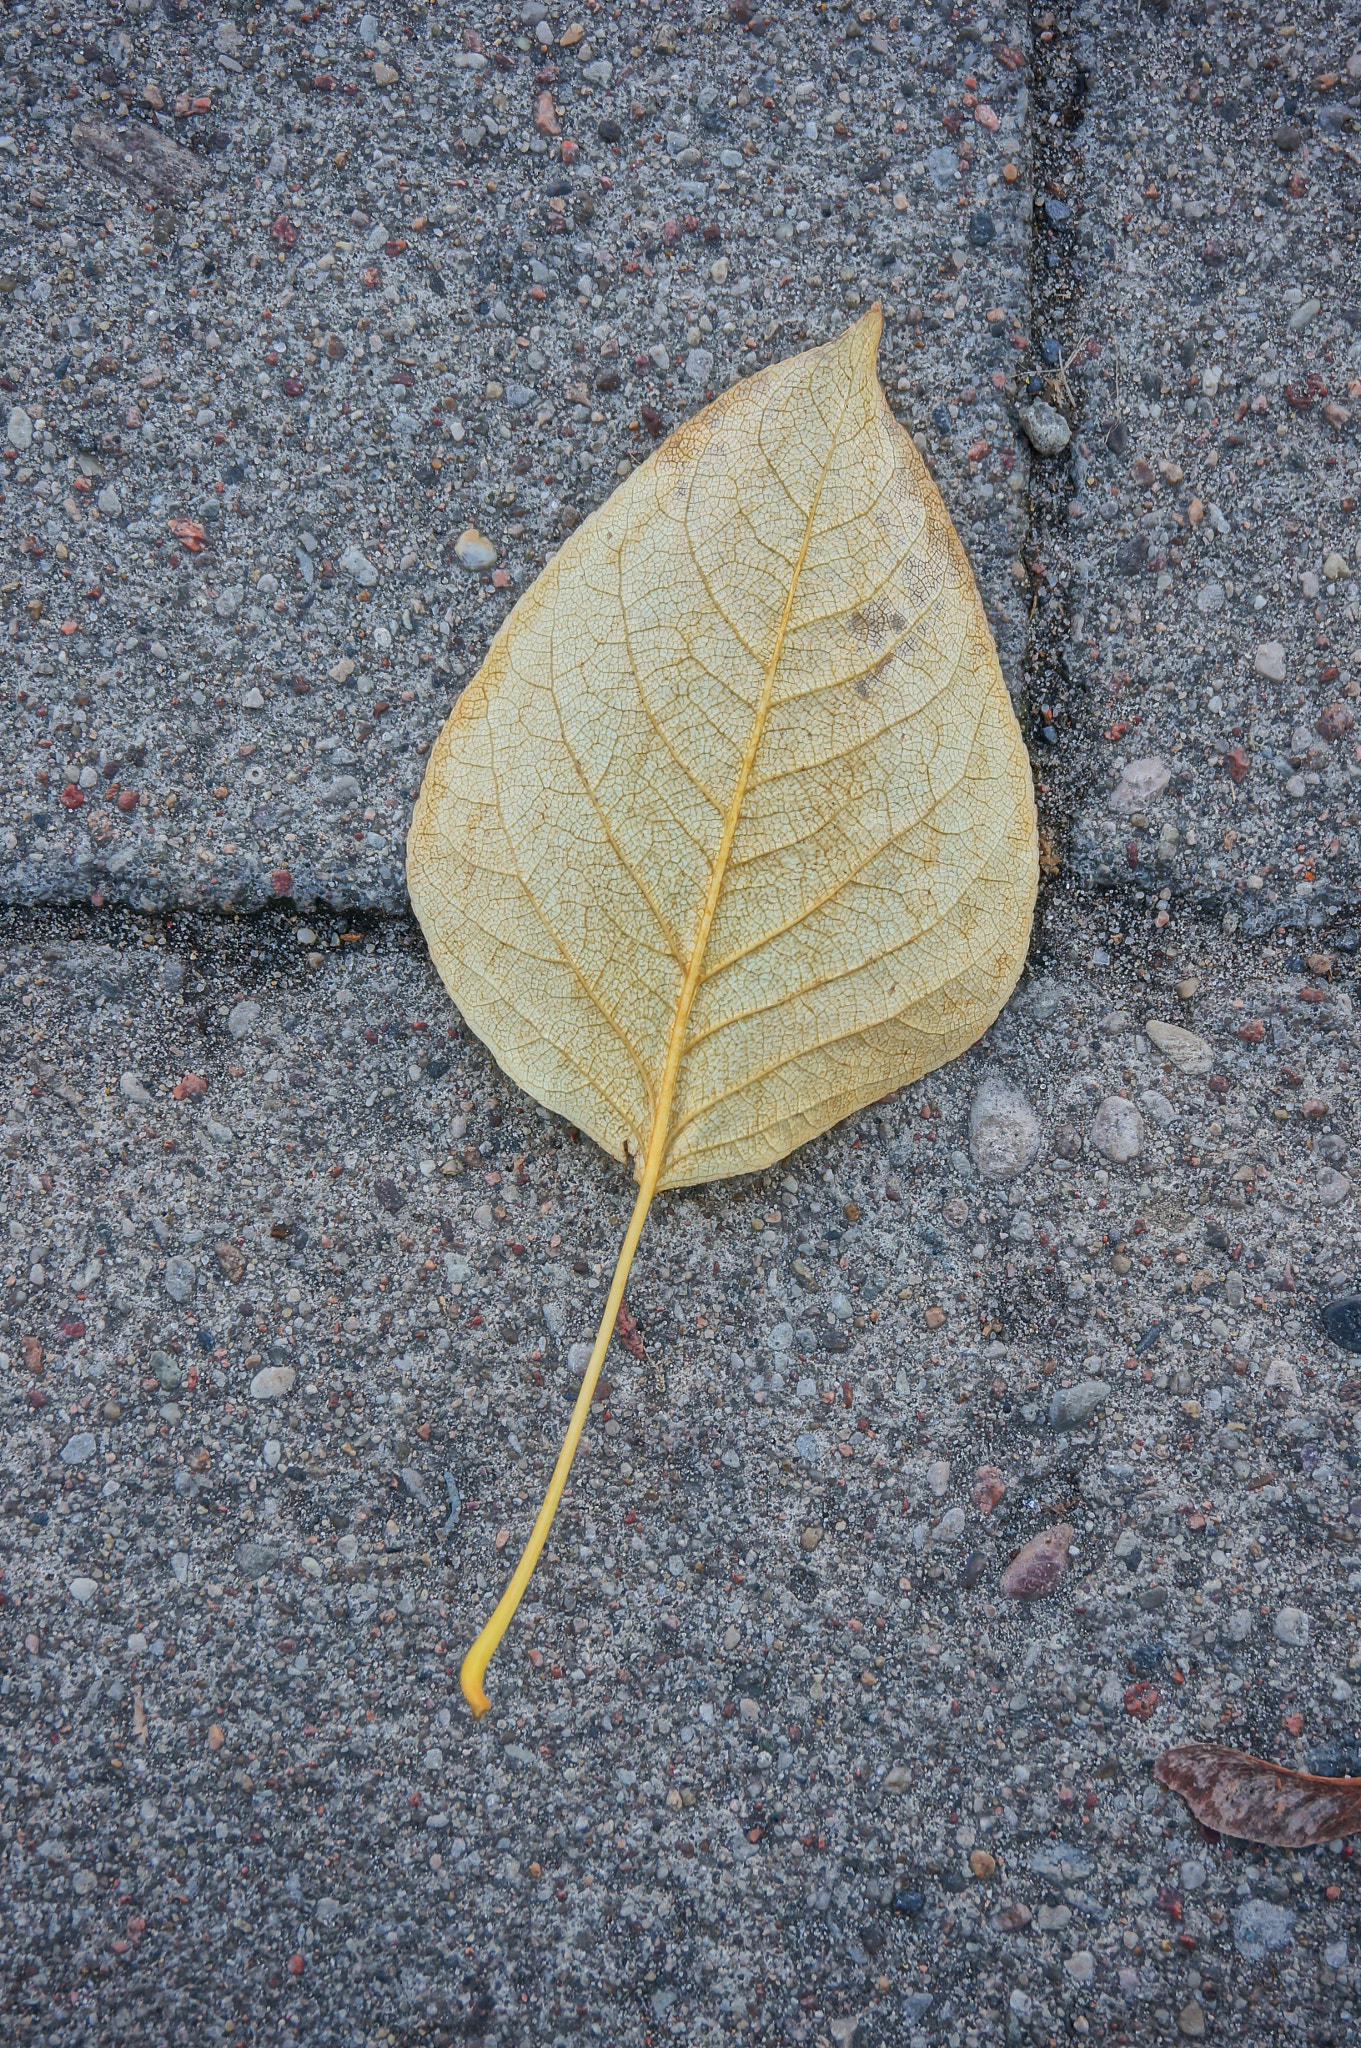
<point x="956" y="1467"/>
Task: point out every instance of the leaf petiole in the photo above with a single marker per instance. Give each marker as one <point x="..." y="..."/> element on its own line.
<point x="474" y="1669"/>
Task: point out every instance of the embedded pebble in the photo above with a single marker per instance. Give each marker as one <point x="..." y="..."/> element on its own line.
<point x="1046" y="429"/>
<point x="1039" y="1566"/>
<point x="474" y="550"/>
<point x="1186" y="1049"/>
<point x="1117" y="1130"/>
<point x="166" y="1370"/>
<point x="243" y="1018"/>
<point x="181" y="1278"/>
<point x="1261" y="1927"/>
<point x="1341" y="1320"/>
<point x="1291" y="1627"/>
<point x="272" y="1382"/>
<point x="1004" y="1131"/>
<point x="1073" y="1406"/>
<point x="256" y="1560"/>
<point x="1140" y="782"/>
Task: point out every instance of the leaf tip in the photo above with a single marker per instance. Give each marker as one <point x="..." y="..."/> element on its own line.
<point x="869" y="327"/>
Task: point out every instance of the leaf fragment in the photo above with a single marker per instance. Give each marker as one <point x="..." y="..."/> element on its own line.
<point x="1257" y="1801"/>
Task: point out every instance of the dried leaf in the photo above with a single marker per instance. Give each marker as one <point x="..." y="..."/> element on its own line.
<point x="1257" y="1801"/>
<point x="733" y="832"/>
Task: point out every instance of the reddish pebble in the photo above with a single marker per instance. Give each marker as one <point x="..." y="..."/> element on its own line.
<point x="1141" y="1699"/>
<point x="1037" y="1568"/>
<point x="1337" y="719"/>
<point x="988" y="1490"/>
<point x="296" y="1966"/>
<point x="191" y="1085"/>
<point x="127" y="799"/>
<point x="500" y="579"/>
<point x="1237" y="763"/>
<point x="1253" y="1032"/>
<point x="282" y="882"/>
<point x="72" y="797"/>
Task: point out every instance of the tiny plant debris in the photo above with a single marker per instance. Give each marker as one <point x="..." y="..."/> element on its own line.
<point x="1257" y="1801"/>
<point x="733" y="833"/>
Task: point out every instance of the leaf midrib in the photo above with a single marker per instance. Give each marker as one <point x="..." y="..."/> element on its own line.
<point x="676" y="1047"/>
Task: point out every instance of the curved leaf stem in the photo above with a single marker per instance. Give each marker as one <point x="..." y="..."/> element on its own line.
<point x="474" y="1669"/>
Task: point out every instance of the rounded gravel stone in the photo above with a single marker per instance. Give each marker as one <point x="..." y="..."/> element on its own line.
<point x="1047" y="431"/>
<point x="1117" y="1130"/>
<point x="272" y="1382"/>
<point x="181" y="1278"/>
<point x="1004" y="1131"/>
<point x="1186" y="1050"/>
<point x="1291" y="1627"/>
<point x="1039" y="1565"/>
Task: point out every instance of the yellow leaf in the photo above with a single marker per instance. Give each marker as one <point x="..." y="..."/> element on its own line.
<point x="733" y="832"/>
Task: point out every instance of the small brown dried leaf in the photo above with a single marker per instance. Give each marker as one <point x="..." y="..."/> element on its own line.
<point x="1257" y="1801"/>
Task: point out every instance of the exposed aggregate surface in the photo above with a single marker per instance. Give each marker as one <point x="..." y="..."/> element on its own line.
<point x="772" y="1754"/>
